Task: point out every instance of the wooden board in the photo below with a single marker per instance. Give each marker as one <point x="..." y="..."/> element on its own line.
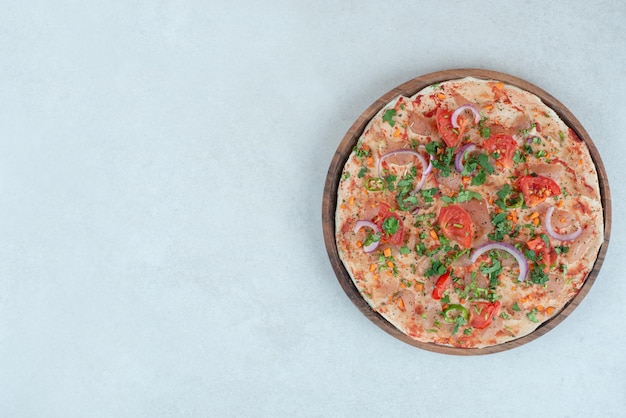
<point x="348" y="142"/>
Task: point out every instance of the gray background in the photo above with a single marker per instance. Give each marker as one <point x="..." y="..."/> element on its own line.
<point x="161" y="174"/>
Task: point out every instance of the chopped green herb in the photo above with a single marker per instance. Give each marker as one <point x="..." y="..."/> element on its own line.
<point x="532" y="315"/>
<point x="388" y="117"/>
<point x="359" y="151"/>
<point x="537" y="275"/>
<point x="518" y="157"/>
<point x="371" y="238"/>
<point x="479" y="178"/>
<point x="561" y="249"/>
<point x="444" y="162"/>
<point x="485" y="132"/>
<point x="459" y="321"/>
<point x="466" y="195"/>
<point x="432" y="147"/>
<point x="436" y="269"/>
<point x="390" y="225"/>
<point x="427" y="194"/>
<point x="390" y="180"/>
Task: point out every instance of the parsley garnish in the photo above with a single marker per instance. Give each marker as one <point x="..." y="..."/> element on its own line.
<point x="390" y="225"/>
<point x="388" y="117"/>
<point x="436" y="269"/>
<point x="532" y="315"/>
<point x="466" y="195"/>
<point x="492" y="271"/>
<point x="474" y="162"/>
<point x="458" y="322"/>
<point x="502" y="195"/>
<point x="427" y="194"/>
<point x="502" y="227"/>
<point x="444" y="161"/>
<point x="518" y="157"/>
<point x="359" y="151"/>
<point x="371" y="238"/>
<point x="390" y="180"/>
<point x="537" y="276"/>
<point x="485" y="132"/>
<point x="561" y="249"/>
<point x="406" y="201"/>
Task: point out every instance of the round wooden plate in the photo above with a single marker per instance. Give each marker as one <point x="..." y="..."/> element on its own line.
<point x="408" y="89"/>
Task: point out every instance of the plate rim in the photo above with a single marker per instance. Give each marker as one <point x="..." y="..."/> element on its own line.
<point x="408" y="89"/>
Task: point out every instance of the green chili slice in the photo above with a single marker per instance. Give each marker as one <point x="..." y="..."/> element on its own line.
<point x="514" y="200"/>
<point x="374" y="184"/>
<point x="450" y="317"/>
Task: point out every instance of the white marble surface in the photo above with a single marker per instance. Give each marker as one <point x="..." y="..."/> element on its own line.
<point x="161" y="175"/>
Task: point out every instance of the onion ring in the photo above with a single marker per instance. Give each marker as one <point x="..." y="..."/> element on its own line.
<point x="517" y="254"/>
<point x="426" y="167"/>
<point x="458" y="160"/>
<point x="561" y="237"/>
<point x="455" y="115"/>
<point x="368" y="224"/>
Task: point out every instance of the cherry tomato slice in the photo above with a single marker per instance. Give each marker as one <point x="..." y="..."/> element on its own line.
<point x="482" y="313"/>
<point x="384" y="212"/>
<point x="537" y="189"/>
<point x="445" y="128"/>
<point x="504" y="146"/>
<point x="443" y="282"/>
<point x="456" y="224"/>
<point x="542" y="251"/>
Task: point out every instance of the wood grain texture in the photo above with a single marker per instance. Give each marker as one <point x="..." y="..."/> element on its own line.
<point x="411" y="87"/>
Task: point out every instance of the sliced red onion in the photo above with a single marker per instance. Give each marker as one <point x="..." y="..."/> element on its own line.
<point x="368" y="224"/>
<point x="517" y="254"/>
<point x="562" y="237"/>
<point x="455" y="115"/>
<point x="426" y="167"/>
<point x="430" y="166"/>
<point x="416" y="154"/>
<point x="458" y="160"/>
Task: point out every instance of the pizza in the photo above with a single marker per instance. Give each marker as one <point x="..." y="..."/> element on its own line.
<point x="468" y="214"/>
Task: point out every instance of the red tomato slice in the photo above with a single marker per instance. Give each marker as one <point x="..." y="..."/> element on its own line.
<point x="537" y="189"/>
<point x="443" y="282"/>
<point x="504" y="145"/>
<point x="540" y="248"/>
<point x="482" y="313"/>
<point x="384" y="212"/>
<point x="456" y="224"/>
<point x="444" y="126"/>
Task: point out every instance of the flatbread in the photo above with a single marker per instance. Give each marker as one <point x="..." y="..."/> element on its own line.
<point x="402" y="228"/>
